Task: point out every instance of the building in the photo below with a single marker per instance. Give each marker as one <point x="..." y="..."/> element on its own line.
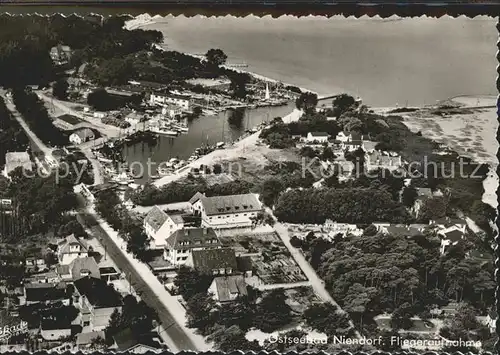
<point x="127" y="342"/>
<point x="450" y="238"/>
<point x="228" y="288"/>
<point x="181" y="243"/>
<point x="45" y="293"/>
<point x="343" y="137"/>
<point x="491" y="320"/>
<point x="403" y="231"/>
<point x="83" y="267"/>
<point x="14" y="160"/>
<point x="96" y="301"/>
<point x="81" y="136"/>
<point x="60" y="54"/>
<point x="233" y="211"/>
<point x="35" y="263"/>
<point x="354" y="142"/>
<point x="54" y="329"/>
<point x="70" y="249"/>
<point x="447" y="224"/>
<point x="46" y="277"/>
<point x="220" y="261"/>
<point x="159" y="225"/>
<point x="317" y="137"/>
<point x="386" y="160"/>
<point x="182" y="101"/>
<point x="84" y="341"/>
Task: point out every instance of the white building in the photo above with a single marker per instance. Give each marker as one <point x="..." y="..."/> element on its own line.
<point x="234" y="211"/>
<point x="81" y="136"/>
<point x="180" y="245"/>
<point x="450" y="238"/>
<point x="170" y="98"/>
<point x="71" y="249"/>
<point x="14" y="160"/>
<point x="228" y="288"/>
<point x="159" y="226"/>
<point x="343" y="137"/>
<point x="317" y="137"/>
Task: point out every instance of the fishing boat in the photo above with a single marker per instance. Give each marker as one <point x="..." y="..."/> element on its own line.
<point x="220" y="145"/>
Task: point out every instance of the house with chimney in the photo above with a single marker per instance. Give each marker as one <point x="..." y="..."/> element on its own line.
<point x="79" y="268"/>
<point x="96" y="301"/>
<point x="228" y="288"/>
<point x="232" y="211"/>
<point x="159" y="225"/>
<point x="221" y="261"/>
<point x="183" y="242"/>
<point x="317" y="137"/>
<point x="70" y="249"/>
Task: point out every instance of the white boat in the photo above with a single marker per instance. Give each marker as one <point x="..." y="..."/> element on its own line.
<point x="123" y="179"/>
<point x="220" y="145"/>
<point x="168" y="133"/>
<point x="104" y="160"/>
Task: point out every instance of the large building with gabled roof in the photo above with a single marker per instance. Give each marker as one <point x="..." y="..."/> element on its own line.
<point x="233" y="211"/>
<point x="70" y="249"/>
<point x="159" y="225"/>
<point x="181" y="243"/>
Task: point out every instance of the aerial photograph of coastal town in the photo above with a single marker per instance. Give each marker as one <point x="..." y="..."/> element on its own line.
<point x="279" y="184"/>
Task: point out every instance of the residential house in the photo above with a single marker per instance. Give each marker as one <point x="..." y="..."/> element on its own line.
<point x="181" y="243"/>
<point x="60" y="54"/>
<point x="244" y="265"/>
<point x="343" y="137"/>
<point x="423" y="194"/>
<point x="354" y="143"/>
<point x="381" y="159"/>
<point x="448" y="224"/>
<point x="46" y="277"/>
<point x="180" y="100"/>
<point x="55" y="329"/>
<point x="45" y="293"/>
<point x="228" y="288"/>
<point x="159" y="225"/>
<point x="317" y="137"/>
<point x="450" y="238"/>
<point x="96" y="301"/>
<point x="220" y="261"/>
<point x="72" y="248"/>
<point x="84" y="341"/>
<point x="369" y="146"/>
<point x="400" y="230"/>
<point x="491" y="320"/>
<point x="81" y="136"/>
<point x="35" y="263"/>
<point x="83" y="267"/>
<point x="233" y="211"/>
<point x="127" y="342"/>
<point x="14" y="160"/>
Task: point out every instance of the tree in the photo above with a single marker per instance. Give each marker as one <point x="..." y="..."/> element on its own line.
<point x="191" y="282"/>
<point x="307" y="101"/>
<point x="273" y="312"/>
<point x="238" y="84"/>
<point x="217" y="169"/>
<point x="200" y="312"/>
<point x="433" y="208"/>
<point x="401" y="319"/>
<point x="409" y="196"/>
<point x="270" y="190"/>
<point x="60" y="89"/>
<point x="326" y="318"/>
<point x="137" y="243"/>
<point x="342" y="103"/>
<point x="99" y="99"/>
<point x="216" y="57"/>
<point x="371" y="230"/>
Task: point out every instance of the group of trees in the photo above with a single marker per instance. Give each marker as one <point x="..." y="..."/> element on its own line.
<point x="110" y="207"/>
<point x="182" y="191"/>
<point x="373" y="274"/>
<point x="36" y="115"/>
<point x="12" y="136"/>
<point x="101" y="100"/>
<point x="226" y="324"/>
<point x="355" y="205"/>
<point x="136" y="316"/>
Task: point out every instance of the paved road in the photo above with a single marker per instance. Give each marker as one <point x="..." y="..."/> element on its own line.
<point x="19" y="118"/>
<point x="317" y="284"/>
<point x="178" y="338"/>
